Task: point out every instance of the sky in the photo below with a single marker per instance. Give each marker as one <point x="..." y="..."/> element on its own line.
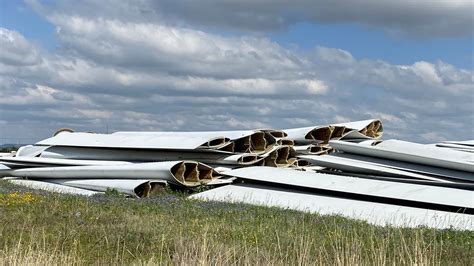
<point x="104" y="66"/>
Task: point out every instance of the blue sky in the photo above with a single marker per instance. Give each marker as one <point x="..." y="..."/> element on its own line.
<point x="19" y="16"/>
<point x="166" y="65"/>
<point x="373" y="43"/>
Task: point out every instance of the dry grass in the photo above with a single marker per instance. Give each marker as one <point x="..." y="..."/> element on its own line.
<point x="57" y="230"/>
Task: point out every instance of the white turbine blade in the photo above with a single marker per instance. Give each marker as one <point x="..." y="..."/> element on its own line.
<point x="374" y="213"/>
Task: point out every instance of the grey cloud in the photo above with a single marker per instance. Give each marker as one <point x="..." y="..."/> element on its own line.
<point x="437" y="18"/>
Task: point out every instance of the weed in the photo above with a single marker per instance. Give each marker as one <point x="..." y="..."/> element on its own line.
<point x="170" y="229"/>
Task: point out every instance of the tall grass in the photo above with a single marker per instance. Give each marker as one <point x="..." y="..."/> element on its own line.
<point x="171" y="230"/>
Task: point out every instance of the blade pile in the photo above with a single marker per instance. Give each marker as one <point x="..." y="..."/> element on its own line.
<point x="335" y="169"/>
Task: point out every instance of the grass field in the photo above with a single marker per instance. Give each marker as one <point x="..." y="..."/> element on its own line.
<point x="42" y="228"/>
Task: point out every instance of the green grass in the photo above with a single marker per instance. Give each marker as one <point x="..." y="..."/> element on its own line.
<point x="43" y="228"/>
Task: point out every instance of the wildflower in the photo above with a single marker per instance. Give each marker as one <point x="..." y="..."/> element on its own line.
<point x="16" y="198"/>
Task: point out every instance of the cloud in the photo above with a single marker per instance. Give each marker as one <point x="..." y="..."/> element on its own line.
<point x="177" y="51"/>
<point x="438" y="18"/>
<point x="16" y="50"/>
<point x="130" y="73"/>
<point x="36" y="95"/>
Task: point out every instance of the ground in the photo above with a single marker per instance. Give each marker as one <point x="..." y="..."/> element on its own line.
<point x="45" y="228"/>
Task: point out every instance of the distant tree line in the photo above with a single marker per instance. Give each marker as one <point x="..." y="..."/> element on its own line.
<point x="8" y="149"/>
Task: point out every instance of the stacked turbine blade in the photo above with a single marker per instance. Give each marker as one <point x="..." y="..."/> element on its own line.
<point x="340" y="168"/>
<point x="142" y="160"/>
<point x="136" y="162"/>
